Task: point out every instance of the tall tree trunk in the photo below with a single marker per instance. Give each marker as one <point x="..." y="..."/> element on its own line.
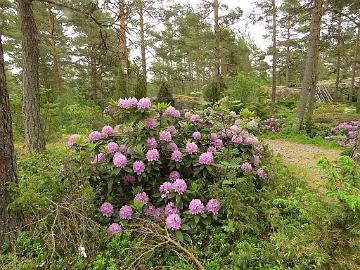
<point x="55" y="57"/>
<point x="122" y="44"/>
<point x="217" y="42"/>
<point x="338" y="58"/>
<point x="142" y="39"/>
<point x="311" y="66"/>
<point x="356" y="150"/>
<point x="34" y="135"/>
<point x="273" y="86"/>
<point x="93" y="74"/>
<point x="288" y="56"/>
<point x="9" y="220"/>
<point x="355" y="63"/>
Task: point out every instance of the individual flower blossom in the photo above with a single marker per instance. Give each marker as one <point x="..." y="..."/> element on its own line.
<point x="165" y="136"/>
<point x="144" y="103"/>
<point x="261" y="173"/>
<point x="123" y="103"/>
<point x="129" y="179"/>
<point x="173" y="222"/>
<point x="114" y="228"/>
<point x="133" y="102"/>
<point x="196" y="135"/>
<point x="256" y="160"/>
<point x="151" y="143"/>
<point x="62" y="168"/>
<point x="120" y="160"/>
<point x="218" y="143"/>
<point x="237" y="122"/>
<point x="191" y="148"/>
<point x="195" y="118"/>
<point x="138" y="167"/>
<point x="159" y="213"/>
<point x="165" y="189"/>
<point x="112" y="147"/>
<point x="232" y="113"/>
<point x="107" y="209"/>
<point x="213" y="137"/>
<point x="237" y="139"/>
<point x="72" y="139"/>
<point x="123" y="148"/>
<point x="171" y="111"/>
<point x="94" y="136"/>
<point x="141" y="197"/>
<point x="108" y="130"/>
<point x="171" y="129"/>
<point x="211" y="149"/>
<point x="179" y="186"/>
<point x="251" y="140"/>
<point x="259" y="148"/>
<point x="187" y="115"/>
<point x="234" y="128"/>
<point x="213" y="206"/>
<point x="173" y="146"/>
<point x="206" y="158"/>
<point x="176" y="156"/>
<point x="98" y="158"/>
<point x="196" y="207"/>
<point x="150" y="123"/>
<point x="149" y="210"/>
<point x="152" y="155"/>
<point x="246" y="167"/>
<point x="171" y="209"/>
<point x="126" y="212"/>
<point x="174" y="175"/>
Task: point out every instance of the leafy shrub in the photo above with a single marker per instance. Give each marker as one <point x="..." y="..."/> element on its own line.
<point x="165" y="95"/>
<point x="214" y="90"/>
<point x="271" y="124"/>
<point x="344" y="133"/>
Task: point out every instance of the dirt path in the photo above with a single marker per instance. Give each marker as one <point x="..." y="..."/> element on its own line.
<point x="305" y="156"/>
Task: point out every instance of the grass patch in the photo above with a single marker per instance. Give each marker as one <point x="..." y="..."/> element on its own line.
<point x="303" y="138"/>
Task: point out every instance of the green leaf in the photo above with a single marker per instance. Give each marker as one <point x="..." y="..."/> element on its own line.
<point x="185" y="227"/>
<point x="179" y="236"/>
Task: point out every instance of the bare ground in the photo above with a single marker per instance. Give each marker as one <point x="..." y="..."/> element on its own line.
<point x="305" y="156"/>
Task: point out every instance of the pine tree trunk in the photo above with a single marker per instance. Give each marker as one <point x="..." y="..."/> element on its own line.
<point x="34" y="135"/>
<point x="142" y="39"/>
<point x="273" y="86"/>
<point x="355" y="63"/>
<point x="338" y="60"/>
<point x="9" y="220"/>
<point x="93" y="74"/>
<point x="288" y="56"/>
<point x="217" y="42"/>
<point x="356" y="150"/>
<point x="55" y="57"/>
<point x="122" y="44"/>
<point x="311" y="67"/>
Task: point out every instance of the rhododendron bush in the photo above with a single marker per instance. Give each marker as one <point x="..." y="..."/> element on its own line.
<point x="158" y="163"/>
<point x="344" y="133"/>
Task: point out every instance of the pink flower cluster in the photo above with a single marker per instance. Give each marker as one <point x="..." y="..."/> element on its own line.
<point x="206" y="158"/>
<point x="344" y="133"/>
<point x="152" y="155"/>
<point x="179" y="186"/>
<point x="171" y="111"/>
<point x="127" y="102"/>
<point x="72" y="139"/>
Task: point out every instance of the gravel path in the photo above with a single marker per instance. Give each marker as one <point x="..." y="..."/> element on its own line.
<point x="303" y="155"/>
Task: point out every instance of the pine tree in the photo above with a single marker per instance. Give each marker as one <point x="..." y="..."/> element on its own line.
<point x="165" y="94"/>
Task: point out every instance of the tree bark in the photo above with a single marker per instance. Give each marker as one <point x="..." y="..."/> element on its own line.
<point x="288" y="56"/>
<point x="273" y="86"/>
<point x="34" y="135"/>
<point x="122" y="43"/>
<point x="356" y="150"/>
<point x="93" y="74"/>
<point x="9" y="220"/>
<point x="142" y="39"/>
<point x="338" y="59"/>
<point x="217" y="42"/>
<point x="55" y="57"/>
<point x="355" y="63"/>
<point x="311" y="66"/>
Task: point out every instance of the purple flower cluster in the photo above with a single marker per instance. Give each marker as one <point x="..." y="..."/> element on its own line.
<point x="107" y="209"/>
<point x="271" y="124"/>
<point x="152" y="155"/>
<point x="94" y="136"/>
<point x="173" y="222"/>
<point x="344" y="133"/>
<point x="98" y="158"/>
<point x="176" y="156"/>
<point x="108" y="130"/>
<point x="127" y="102"/>
<point x="165" y="136"/>
<point x="141" y="197"/>
<point x="179" y="186"/>
<point x="112" y="147"/>
<point x="206" y="158"/>
<point x="196" y="135"/>
<point x="114" y="228"/>
<point x="72" y="140"/>
<point x="120" y="160"/>
<point x="171" y="111"/>
<point x="196" y="207"/>
<point x="191" y="148"/>
<point x="151" y="143"/>
<point x="246" y="167"/>
<point x="144" y="103"/>
<point x="126" y="212"/>
<point x="150" y="123"/>
<point x="138" y="167"/>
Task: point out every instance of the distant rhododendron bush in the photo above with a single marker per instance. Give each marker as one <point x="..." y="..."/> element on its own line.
<point x="344" y="133"/>
<point x="156" y="166"/>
